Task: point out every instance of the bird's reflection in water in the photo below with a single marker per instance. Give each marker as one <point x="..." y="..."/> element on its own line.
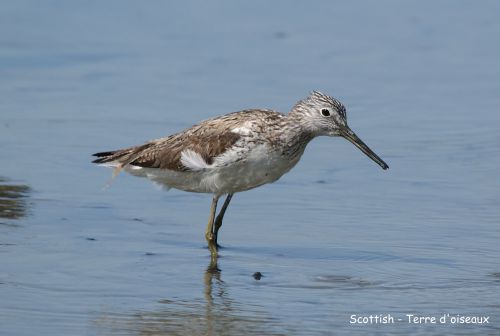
<point x="215" y="314"/>
<point x="212" y="279"/>
<point x="13" y="203"/>
<point x="214" y="291"/>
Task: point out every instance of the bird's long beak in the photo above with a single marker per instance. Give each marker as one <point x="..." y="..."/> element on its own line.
<point x="347" y="133"/>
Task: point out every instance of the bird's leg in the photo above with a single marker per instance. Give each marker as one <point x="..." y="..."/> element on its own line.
<point x="220" y="216"/>
<point x="209" y="233"/>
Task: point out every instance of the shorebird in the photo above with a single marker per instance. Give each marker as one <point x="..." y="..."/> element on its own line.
<point x="235" y="152"/>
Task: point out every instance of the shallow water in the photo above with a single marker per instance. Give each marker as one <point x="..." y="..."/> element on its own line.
<point x="336" y="236"/>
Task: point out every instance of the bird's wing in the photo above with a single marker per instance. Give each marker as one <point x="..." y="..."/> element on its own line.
<point x="184" y="152"/>
<point x="193" y="149"/>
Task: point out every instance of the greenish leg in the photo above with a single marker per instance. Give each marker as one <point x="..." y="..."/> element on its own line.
<point x="220" y="216"/>
<point x="209" y="233"/>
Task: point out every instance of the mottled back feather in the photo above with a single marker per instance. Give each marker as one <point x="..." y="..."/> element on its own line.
<point x="209" y="139"/>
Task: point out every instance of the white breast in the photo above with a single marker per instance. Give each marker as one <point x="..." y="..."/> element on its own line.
<point x="249" y="163"/>
<point x="231" y="172"/>
<point x="259" y="166"/>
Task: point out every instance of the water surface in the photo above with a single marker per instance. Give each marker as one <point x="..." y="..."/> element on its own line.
<point x="336" y="236"/>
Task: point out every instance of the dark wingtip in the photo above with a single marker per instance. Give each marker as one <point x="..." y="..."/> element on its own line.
<point x="102" y="156"/>
<point x="99" y="160"/>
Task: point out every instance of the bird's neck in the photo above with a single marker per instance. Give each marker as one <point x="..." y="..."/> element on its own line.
<point x="293" y="136"/>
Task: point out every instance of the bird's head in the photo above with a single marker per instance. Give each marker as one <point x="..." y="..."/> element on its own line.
<point x="320" y="114"/>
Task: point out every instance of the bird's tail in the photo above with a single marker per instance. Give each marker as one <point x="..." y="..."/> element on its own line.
<point x="111" y="158"/>
<point x="119" y="158"/>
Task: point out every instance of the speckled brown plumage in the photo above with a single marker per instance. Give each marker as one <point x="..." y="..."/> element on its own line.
<point x="235" y="152"/>
<point x="209" y="138"/>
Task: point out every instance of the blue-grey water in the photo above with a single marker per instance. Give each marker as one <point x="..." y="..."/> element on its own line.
<point x="336" y="236"/>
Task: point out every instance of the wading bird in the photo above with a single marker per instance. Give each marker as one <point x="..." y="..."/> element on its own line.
<point x="235" y="152"/>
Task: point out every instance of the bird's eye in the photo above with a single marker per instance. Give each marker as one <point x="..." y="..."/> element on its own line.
<point x="325" y="112"/>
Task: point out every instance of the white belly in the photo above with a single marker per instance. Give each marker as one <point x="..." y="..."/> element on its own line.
<point x="259" y="166"/>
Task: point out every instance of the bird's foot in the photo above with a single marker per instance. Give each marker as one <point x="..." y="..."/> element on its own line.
<point x="212" y="244"/>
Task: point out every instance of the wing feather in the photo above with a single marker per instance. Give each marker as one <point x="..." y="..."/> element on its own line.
<point x="194" y="148"/>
